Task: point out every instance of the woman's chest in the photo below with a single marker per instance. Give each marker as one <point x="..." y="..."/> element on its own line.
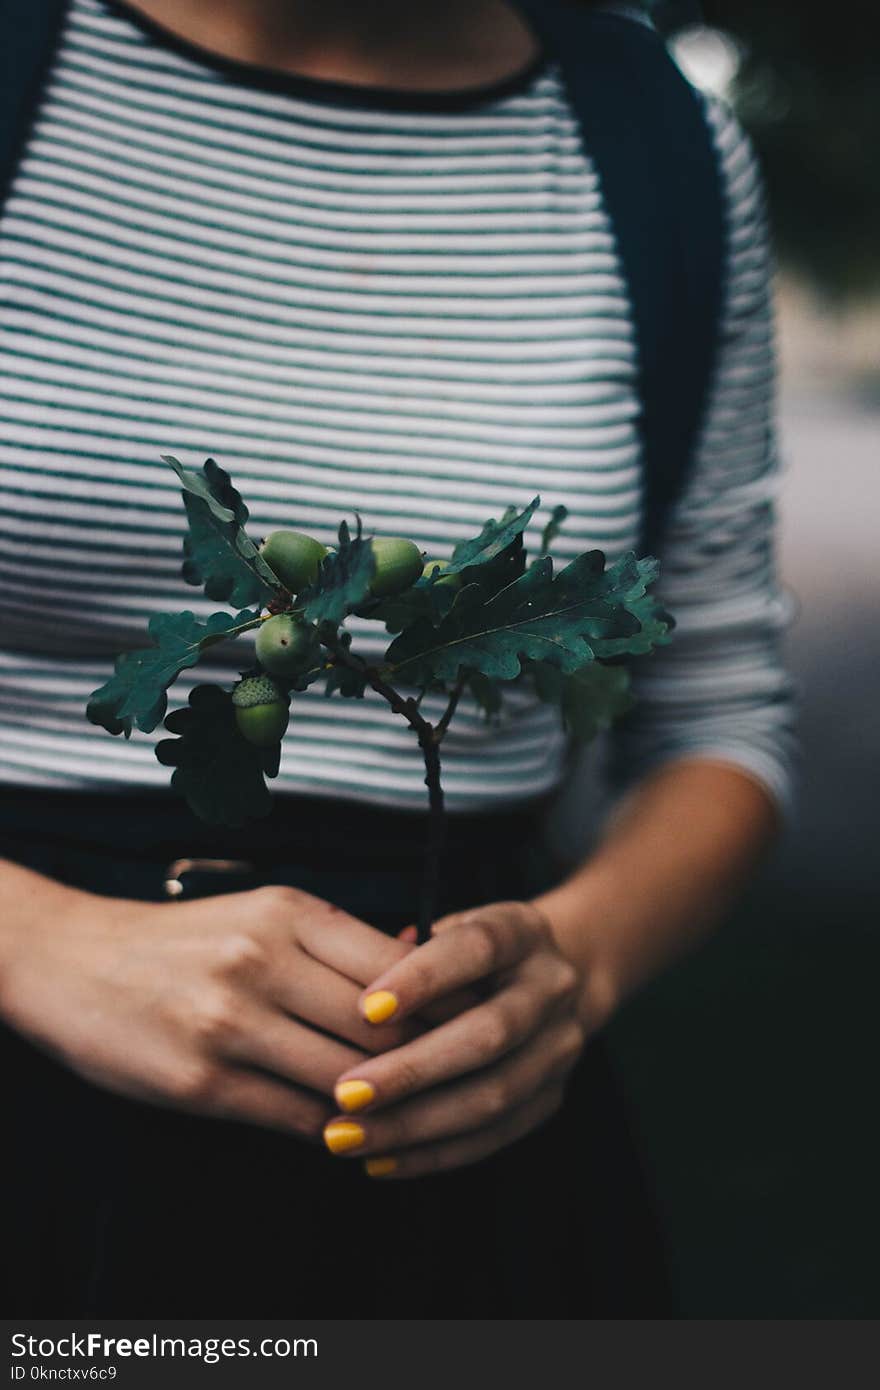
<point x="421" y="324"/>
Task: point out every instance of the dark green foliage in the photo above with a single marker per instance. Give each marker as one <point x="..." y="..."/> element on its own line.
<point x="343" y="678"/>
<point x="136" y="695"/>
<point x="499" y="571"/>
<point x="495" y="537"/>
<point x="590" y="699"/>
<point x="557" y="519"/>
<point x="486" y="692"/>
<point x="220" y="775"/>
<point x="343" y="581"/>
<point x="492" y="559"/>
<point x="655" y="624"/>
<point x="485" y="617"/>
<point x="303" y="679"/>
<point x="218" y="553"/>
<point x="563" y="619"/>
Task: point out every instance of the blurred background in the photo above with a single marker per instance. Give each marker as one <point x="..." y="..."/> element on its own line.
<point x="752" y="1067"/>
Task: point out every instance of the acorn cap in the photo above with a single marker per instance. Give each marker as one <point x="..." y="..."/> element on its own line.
<point x="256" y="690"/>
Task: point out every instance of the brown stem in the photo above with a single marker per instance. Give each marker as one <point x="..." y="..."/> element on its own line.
<point x="405" y="706"/>
<point x="446" y="718"/>
<point x="429" y="741"/>
<point x="429" y="744"/>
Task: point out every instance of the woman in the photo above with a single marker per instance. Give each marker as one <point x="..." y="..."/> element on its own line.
<point x="358" y="252"/>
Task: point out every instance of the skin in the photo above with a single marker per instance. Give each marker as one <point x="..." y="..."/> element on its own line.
<point x="436" y="45"/>
<point x="179" y="1004"/>
<point x="551" y="972"/>
<point x="252" y="1005"/>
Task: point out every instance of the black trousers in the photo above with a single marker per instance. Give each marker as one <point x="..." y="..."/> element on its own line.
<point x="115" y="1208"/>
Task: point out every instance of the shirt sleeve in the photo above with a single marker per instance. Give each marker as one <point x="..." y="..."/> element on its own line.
<point x="720" y="689"/>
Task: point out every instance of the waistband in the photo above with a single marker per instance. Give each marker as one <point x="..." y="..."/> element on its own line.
<point x="367" y="859"/>
<point x="157" y="825"/>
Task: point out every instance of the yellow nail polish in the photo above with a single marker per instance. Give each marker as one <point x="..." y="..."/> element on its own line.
<point x="354" y="1095"/>
<point x="380" y="1005"/>
<point x="342" y="1135"/>
<point x="379" y="1167"/>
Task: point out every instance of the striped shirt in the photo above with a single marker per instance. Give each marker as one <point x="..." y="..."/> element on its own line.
<point x="407" y="307"/>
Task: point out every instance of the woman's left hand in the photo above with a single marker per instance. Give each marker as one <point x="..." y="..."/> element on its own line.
<point x="484" y="1078"/>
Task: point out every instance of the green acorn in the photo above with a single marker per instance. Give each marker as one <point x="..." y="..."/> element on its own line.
<point x="452" y="581"/>
<point x="294" y="558"/>
<point x="262" y="712"/>
<point x="284" y="644"/>
<point x="398" y="565"/>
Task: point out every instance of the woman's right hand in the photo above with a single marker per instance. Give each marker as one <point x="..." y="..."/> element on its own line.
<point x="222" y="1006"/>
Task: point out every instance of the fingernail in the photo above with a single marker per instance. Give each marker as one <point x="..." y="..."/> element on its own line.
<point x="379" y="1005"/>
<point x="342" y="1135"/>
<point x="379" y="1167"/>
<point x="354" y="1095"/>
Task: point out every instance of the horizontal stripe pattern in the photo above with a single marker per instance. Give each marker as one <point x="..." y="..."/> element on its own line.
<point x="418" y="315"/>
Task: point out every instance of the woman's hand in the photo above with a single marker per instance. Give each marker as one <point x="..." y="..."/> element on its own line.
<point x="481" y="1080"/>
<point x="220" y="1006"/>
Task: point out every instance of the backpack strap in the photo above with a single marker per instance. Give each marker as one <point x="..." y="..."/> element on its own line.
<point x="644" y="127"/>
<point x="29" y="32"/>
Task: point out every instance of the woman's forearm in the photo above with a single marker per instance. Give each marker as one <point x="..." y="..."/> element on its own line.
<point x="671" y="860"/>
<point x="27" y="900"/>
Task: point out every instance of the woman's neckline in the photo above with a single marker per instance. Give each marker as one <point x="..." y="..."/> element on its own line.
<point x="327" y="92"/>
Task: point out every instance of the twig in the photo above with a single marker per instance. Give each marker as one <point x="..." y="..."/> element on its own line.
<point x="436" y="835"/>
<point x="443" y="723"/>
<point x="405" y="706"/>
<point x="429" y="738"/>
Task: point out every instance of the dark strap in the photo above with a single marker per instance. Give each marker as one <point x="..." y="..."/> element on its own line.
<point x="29" y="31"/>
<point x="644" y="127"/>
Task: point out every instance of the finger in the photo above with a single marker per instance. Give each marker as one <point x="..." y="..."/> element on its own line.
<point x="476" y="1101"/>
<point x="345" y="945"/>
<point x="472" y="1040"/>
<point x="243" y="1095"/>
<point x="439" y="1011"/>
<point x="291" y="1050"/>
<point x="315" y="994"/>
<point x="339" y="940"/>
<point x="469" y="1148"/>
<point x="355" y="950"/>
<point x="482" y="943"/>
<point x="444" y="923"/>
<point x="453" y="1003"/>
